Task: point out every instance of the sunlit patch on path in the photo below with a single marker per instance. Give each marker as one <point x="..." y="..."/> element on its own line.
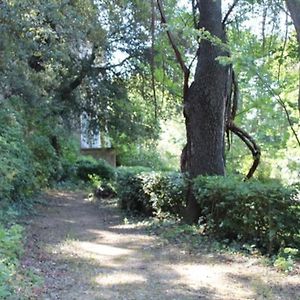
<point x="84" y="252"/>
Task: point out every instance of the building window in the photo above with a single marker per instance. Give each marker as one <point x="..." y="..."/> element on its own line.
<point x="92" y="138"/>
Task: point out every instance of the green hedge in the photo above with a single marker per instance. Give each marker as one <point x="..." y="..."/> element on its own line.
<point x="266" y="214"/>
<point x="86" y="166"/>
<point x="149" y="192"/>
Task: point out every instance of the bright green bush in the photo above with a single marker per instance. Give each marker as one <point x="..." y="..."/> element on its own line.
<point x="28" y="161"/>
<point x="17" y="174"/>
<point x="158" y="193"/>
<point x="86" y="166"/>
<point x="167" y="191"/>
<point x="102" y="188"/>
<point x="46" y="163"/>
<point x="266" y="214"/>
<point x="130" y="190"/>
<point x="70" y="154"/>
<point x="285" y="260"/>
<point x="10" y="252"/>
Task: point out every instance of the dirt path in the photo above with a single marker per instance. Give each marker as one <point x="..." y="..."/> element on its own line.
<point x="84" y="252"/>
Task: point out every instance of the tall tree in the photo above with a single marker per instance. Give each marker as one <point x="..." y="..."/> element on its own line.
<point x="204" y="104"/>
<point x="210" y="101"/>
<point x="204" y="101"/>
<point x="294" y="9"/>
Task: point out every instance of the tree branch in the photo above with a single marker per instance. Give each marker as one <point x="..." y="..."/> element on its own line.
<point x="250" y="143"/>
<point x="299" y="93"/>
<point x="194" y="7"/>
<point x="236" y="96"/>
<point x="282" y="104"/>
<point x="152" y="56"/>
<point x="67" y="89"/>
<point x="108" y="67"/>
<point x="229" y="12"/>
<point x="231" y="111"/>
<point x="178" y="55"/>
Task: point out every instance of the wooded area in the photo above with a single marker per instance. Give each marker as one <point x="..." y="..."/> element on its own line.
<point x="199" y="99"/>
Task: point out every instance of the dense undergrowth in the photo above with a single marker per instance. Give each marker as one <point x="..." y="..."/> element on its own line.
<point x="11" y="250"/>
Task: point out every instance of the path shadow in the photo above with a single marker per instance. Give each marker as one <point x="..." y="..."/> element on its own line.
<point x="86" y="252"/>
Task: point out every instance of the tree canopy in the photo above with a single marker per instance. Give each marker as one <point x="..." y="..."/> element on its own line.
<point x="115" y="60"/>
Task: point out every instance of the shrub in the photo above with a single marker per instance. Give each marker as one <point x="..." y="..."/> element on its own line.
<point x="167" y="191"/>
<point x="17" y="174"/>
<point x="87" y="165"/>
<point x="70" y="153"/>
<point x="11" y="249"/>
<point x="158" y="193"/>
<point x="130" y="190"/>
<point x="46" y="163"/>
<point x="266" y="214"/>
<point x="102" y="188"/>
<point x="284" y="261"/>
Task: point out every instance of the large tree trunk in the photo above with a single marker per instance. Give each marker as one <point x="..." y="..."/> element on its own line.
<point x="204" y="106"/>
<point x="294" y="9"/>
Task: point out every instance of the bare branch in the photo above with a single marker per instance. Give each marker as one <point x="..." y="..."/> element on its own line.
<point x="108" y="67"/>
<point x="178" y="55"/>
<point x="194" y="7"/>
<point x="152" y="63"/>
<point x="192" y="61"/>
<point x="284" y="46"/>
<point x="250" y="143"/>
<point x="236" y="96"/>
<point x="229" y="12"/>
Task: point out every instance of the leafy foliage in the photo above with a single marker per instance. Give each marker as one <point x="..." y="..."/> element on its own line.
<point x="17" y="176"/>
<point x="147" y="156"/>
<point x="266" y="214"/>
<point x="86" y="166"/>
<point x="10" y="251"/>
<point x="102" y="188"/>
<point x="130" y="190"/>
<point x="285" y="259"/>
<point x="159" y="193"/>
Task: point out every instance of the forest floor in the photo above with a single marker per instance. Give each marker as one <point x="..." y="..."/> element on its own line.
<point x="86" y="251"/>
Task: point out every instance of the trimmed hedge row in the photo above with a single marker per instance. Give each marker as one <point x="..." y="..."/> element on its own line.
<point x="265" y="214"/>
<point x="151" y="193"/>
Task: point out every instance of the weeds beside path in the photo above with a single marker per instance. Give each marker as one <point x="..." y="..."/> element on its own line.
<point x="86" y="252"/>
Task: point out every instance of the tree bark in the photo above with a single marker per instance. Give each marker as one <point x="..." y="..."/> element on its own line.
<point x="204" y="106"/>
<point x="294" y="9"/>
